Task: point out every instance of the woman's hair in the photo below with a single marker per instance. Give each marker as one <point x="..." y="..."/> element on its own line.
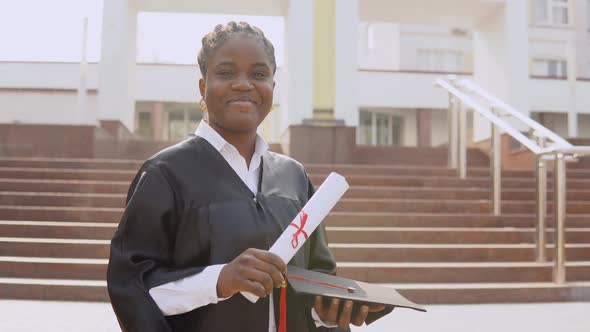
<point x="214" y="39"/>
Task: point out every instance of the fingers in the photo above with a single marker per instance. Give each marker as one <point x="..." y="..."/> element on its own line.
<point x="319" y="307"/>
<point x="361" y="316"/>
<point x="271" y="264"/>
<point x="255" y="288"/>
<point x="271" y="258"/>
<point x="376" y="308"/>
<point x="345" y="316"/>
<point x="262" y="278"/>
<point x="332" y="315"/>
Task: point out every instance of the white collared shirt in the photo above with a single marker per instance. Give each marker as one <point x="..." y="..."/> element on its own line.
<point x="199" y="290"/>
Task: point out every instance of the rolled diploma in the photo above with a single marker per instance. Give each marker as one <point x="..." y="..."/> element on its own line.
<point x="317" y="208"/>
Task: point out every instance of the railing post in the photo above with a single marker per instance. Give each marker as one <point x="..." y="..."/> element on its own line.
<point x="496" y="169"/>
<point x="559" y="210"/>
<point x="462" y="115"/>
<point x="452" y="126"/>
<point x="541" y="177"/>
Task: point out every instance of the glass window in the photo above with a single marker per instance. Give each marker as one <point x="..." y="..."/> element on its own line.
<point x="440" y="60"/>
<point x="144" y="124"/>
<point x="541" y="11"/>
<point x="549" y="68"/>
<point x="381" y="129"/>
<point x="560" y="15"/>
<point x="366" y="128"/>
<point x="176" y="125"/>
<point x="195" y="116"/>
<point x="551" y="12"/>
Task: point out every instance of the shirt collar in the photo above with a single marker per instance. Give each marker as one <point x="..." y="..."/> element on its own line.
<point x="207" y="132"/>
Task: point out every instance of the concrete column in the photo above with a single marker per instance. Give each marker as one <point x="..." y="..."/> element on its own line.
<point x="581" y="23"/>
<point x="501" y="59"/>
<point x="572" y="79"/>
<point x="578" y="57"/>
<point x="346" y="62"/>
<point x="297" y="89"/>
<point x="116" y="77"/>
<point x="324" y="33"/>
<point x="158" y="121"/>
<point x="424" y="127"/>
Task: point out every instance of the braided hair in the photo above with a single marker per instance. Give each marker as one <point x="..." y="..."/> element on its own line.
<point x="214" y="39"/>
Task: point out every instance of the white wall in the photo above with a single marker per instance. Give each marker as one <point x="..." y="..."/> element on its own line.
<point x="550" y="95"/>
<point x="416" y="37"/>
<point x="400" y="90"/>
<point x="45" y="75"/>
<point x="42" y="107"/>
<point x="583" y="96"/>
<point x="154" y="82"/>
<point x="379" y="45"/>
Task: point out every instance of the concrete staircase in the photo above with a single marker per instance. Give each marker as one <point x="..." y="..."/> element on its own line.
<point x="419" y="229"/>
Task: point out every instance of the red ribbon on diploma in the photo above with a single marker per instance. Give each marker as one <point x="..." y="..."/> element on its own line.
<point x="302" y="221"/>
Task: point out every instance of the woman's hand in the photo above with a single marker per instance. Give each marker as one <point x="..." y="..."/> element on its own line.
<point x="328" y="313"/>
<point x="254" y="271"/>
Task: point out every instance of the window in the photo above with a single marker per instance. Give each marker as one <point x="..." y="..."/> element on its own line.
<point x="144" y="124"/>
<point x="380" y="129"/>
<point x="440" y="60"/>
<point x="183" y="119"/>
<point x="549" y="68"/>
<point x="551" y="12"/>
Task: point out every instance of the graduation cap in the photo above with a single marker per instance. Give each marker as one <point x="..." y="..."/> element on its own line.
<point x="315" y="283"/>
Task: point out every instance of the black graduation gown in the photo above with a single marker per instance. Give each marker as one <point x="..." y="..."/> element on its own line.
<point x="187" y="209"/>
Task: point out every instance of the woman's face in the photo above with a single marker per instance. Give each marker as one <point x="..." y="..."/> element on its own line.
<point x="238" y="87"/>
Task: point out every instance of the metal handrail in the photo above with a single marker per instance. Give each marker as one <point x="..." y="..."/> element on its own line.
<point x="460" y="92"/>
<point x="540" y="130"/>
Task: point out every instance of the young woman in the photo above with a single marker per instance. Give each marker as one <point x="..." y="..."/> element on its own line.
<point x="202" y="214"/>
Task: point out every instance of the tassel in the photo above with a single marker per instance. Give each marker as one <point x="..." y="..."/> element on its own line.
<point x="283" y="308"/>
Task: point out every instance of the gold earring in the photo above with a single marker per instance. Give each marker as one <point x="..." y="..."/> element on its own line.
<point x="203" y="105"/>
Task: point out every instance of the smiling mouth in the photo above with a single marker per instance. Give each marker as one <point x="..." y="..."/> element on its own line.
<point x="242" y="101"/>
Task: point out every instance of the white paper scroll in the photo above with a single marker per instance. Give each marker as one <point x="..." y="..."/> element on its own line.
<point x="308" y="219"/>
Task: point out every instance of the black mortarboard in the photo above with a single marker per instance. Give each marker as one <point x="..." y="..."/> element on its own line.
<point x="314" y="283"/>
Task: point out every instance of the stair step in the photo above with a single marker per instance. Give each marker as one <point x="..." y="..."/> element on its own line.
<point x="455" y="273"/>
<point x="95" y="270"/>
<point x="73" y="290"/>
<point x="78" y="163"/>
<point x="57" y="230"/>
<point x="55" y="290"/>
<point x="62" y="199"/>
<point x="362" y="209"/>
<point x="65" y="186"/>
<point x="496" y="293"/>
<point x="432" y="235"/>
<point x="53" y="268"/>
<point x="454" y="182"/>
<point x="374" y="252"/>
<point x="50" y="213"/>
<point x="372" y="219"/>
<point x="58" y="248"/>
<point x="380" y="192"/>
<point x="448" y="235"/>
<point x="362" y="252"/>
<point x="448" y="206"/>
<point x="417" y="180"/>
<point x="122" y="164"/>
<point x="67" y="174"/>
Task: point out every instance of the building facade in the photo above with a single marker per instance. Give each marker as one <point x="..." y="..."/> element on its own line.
<point x="369" y="64"/>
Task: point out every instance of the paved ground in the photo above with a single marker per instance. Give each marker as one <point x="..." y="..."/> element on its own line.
<point x="17" y="316"/>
